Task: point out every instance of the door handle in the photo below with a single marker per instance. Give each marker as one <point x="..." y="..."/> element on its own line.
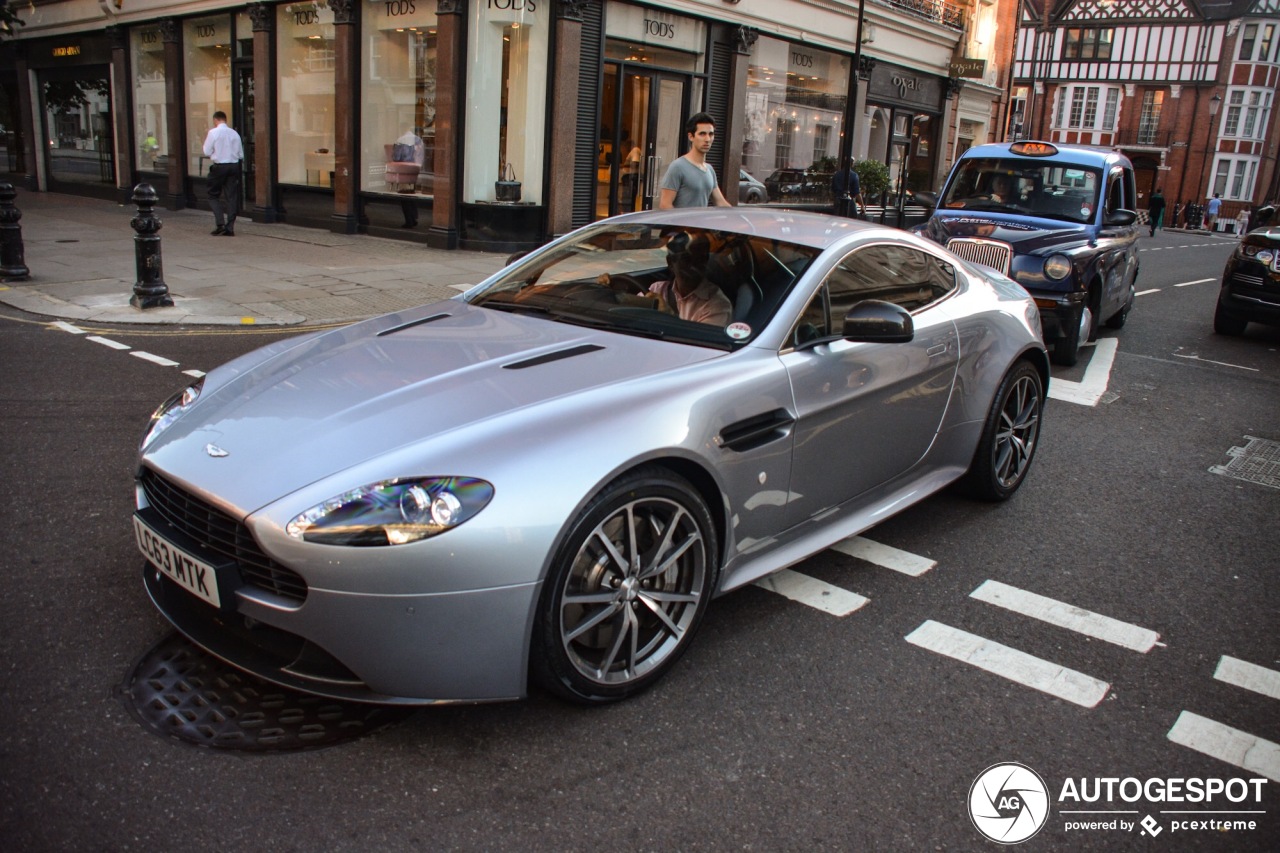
<point x="651" y="177"/>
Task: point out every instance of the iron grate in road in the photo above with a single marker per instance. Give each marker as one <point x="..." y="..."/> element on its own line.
<point x="1257" y="462"/>
<point x="177" y="690"/>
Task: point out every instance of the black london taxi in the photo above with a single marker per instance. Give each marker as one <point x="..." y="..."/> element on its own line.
<point x="1058" y="219"/>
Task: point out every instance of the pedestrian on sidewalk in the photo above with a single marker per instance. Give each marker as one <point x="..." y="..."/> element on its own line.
<point x="1211" y="212"/>
<point x="1155" y="211"/>
<point x="690" y="180"/>
<point x="223" y="148"/>
<point x="847" y="190"/>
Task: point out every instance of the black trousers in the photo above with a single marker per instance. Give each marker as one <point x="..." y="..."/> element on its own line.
<point x="224" y="193"/>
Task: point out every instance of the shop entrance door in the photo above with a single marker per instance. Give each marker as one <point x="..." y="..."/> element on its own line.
<point x="243" y="121"/>
<point x="642" y="117"/>
<point x="76" y="107"/>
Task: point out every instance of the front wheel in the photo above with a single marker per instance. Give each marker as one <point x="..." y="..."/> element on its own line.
<point x="1009" y="436"/>
<point x="1225" y="323"/>
<point x="1066" y="351"/>
<point x="627" y="590"/>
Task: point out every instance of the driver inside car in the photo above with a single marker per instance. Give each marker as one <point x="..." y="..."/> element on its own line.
<point x="688" y="292"/>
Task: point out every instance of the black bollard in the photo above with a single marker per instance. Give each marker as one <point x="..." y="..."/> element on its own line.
<point x="12" y="265"/>
<point x="149" y="291"/>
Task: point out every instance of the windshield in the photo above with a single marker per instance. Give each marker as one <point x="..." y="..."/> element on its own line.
<point x="692" y="285"/>
<point x="1023" y="186"/>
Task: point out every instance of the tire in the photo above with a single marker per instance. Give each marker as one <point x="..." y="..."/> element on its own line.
<point x="612" y="620"/>
<point x="1009" y="436"/>
<point x="1066" y="351"/>
<point x="1118" y="319"/>
<point x="1225" y="323"/>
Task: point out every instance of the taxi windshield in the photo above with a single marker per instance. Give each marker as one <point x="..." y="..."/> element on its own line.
<point x="1026" y="187"/>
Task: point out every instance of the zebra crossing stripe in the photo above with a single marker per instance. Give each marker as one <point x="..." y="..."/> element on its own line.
<point x="1006" y="662"/>
<point x="885" y="556"/>
<point x="813" y="592"/>
<point x="1250" y="676"/>
<point x="1066" y="616"/>
<point x="1224" y="743"/>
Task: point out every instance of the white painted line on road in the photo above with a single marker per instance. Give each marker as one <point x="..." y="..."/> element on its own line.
<point x="885" y="556"/>
<point x="1145" y="292"/>
<point x="154" y="359"/>
<point x="1197" y="281"/>
<point x="1089" y="390"/>
<point x="1211" y="361"/>
<point x="107" y="342"/>
<point x="1065" y="616"/>
<point x="1224" y="743"/>
<point x="1025" y="669"/>
<point x="1250" y="676"/>
<point x="67" y="327"/>
<point x="194" y="373"/>
<point x="813" y="592"/>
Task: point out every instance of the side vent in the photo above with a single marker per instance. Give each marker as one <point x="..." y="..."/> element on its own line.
<point x="756" y="431"/>
<point x="571" y="352"/>
<point x="410" y="325"/>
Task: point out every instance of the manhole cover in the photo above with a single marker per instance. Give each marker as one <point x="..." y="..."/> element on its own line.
<point x="178" y="690"/>
<point x="1257" y="462"/>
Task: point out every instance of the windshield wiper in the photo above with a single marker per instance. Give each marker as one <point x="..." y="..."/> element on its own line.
<point x="514" y="307"/>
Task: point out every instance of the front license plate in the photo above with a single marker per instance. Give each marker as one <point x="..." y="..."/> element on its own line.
<point x="192" y="574"/>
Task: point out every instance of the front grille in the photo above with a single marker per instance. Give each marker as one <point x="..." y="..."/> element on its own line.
<point x="222" y="534"/>
<point x="989" y="252"/>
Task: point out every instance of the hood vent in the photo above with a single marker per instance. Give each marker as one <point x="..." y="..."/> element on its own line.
<point x="547" y="358"/>
<point x="411" y="324"/>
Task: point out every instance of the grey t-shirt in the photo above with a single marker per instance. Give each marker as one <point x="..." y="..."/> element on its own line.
<point x="693" y="186"/>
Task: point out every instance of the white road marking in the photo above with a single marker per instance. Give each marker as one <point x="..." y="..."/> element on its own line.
<point x="1025" y="669"/>
<point x="885" y="556"/>
<point x="1197" y="281"/>
<point x="67" y="327"/>
<point x="1211" y="361"/>
<point x="1089" y="390"/>
<point x="107" y="342"/>
<point x="194" y="373"/>
<point x="154" y="359"/>
<point x="1250" y="676"/>
<point x="1224" y="743"/>
<point x="813" y="592"/>
<point x="1066" y="616"/>
<point x="1145" y="292"/>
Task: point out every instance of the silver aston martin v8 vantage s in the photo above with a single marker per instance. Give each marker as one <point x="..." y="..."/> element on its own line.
<point x="547" y="479"/>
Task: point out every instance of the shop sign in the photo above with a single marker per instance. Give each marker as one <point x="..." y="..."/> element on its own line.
<point x="641" y="25"/>
<point x="523" y="12"/>
<point x="404" y="14"/>
<point x="64" y="50"/>
<point x="967" y="67"/>
<point x="898" y="85"/>
<point x="149" y="41"/>
<point x="212" y="32"/>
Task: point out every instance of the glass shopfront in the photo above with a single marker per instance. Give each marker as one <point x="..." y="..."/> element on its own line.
<point x="207" y="64"/>
<point x="150" y="107"/>
<point x="305" y="94"/>
<point x="398" y="97"/>
<point x="903" y="109"/>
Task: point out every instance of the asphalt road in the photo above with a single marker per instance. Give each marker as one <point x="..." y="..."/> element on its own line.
<point x="785" y="727"/>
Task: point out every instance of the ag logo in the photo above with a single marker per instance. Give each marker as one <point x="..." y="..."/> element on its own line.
<point x="1008" y="803"/>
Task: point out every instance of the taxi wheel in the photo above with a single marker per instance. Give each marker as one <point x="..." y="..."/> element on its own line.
<point x="1066" y="351"/>
<point x="627" y="590"/>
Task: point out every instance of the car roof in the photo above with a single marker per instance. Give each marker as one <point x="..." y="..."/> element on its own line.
<point x="1078" y="154"/>
<point x="817" y="230"/>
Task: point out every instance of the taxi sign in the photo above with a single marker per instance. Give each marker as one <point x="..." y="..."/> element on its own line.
<point x="1033" y="149"/>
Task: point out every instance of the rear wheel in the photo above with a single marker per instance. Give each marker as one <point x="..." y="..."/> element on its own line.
<point x="1009" y="436"/>
<point x="1225" y="323"/>
<point x="627" y="591"/>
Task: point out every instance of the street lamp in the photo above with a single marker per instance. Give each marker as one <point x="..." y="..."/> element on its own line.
<point x="1210" y="135"/>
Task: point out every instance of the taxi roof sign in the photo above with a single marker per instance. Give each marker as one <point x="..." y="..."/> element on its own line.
<point x="1033" y="149"/>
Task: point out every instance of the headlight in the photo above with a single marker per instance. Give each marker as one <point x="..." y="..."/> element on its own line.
<point x="1263" y="256"/>
<point x="170" y="410"/>
<point x="1057" y="267"/>
<point x="393" y="512"/>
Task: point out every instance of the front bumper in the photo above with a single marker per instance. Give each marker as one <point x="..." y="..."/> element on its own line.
<point x="1251" y="293"/>
<point x="1059" y="313"/>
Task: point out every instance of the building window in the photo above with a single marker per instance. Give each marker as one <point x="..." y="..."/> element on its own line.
<point x="1234" y="177"/>
<point x="1248" y="113"/>
<point x="1077" y="107"/>
<point x="795" y="100"/>
<point x="1268" y="38"/>
<point x="305" y="98"/>
<point x="1247" y="39"/>
<point x="150" y="108"/>
<point x="207" y="64"/>
<point x="506" y="111"/>
<point x="1149" y="121"/>
<point x="1088" y="44"/>
<point x="398" y="97"/>
<point x="1062" y="107"/>
<point x="1109" y="116"/>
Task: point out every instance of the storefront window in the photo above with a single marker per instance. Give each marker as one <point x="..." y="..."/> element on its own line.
<point x="506" y="111"/>
<point x="150" y="112"/>
<point x="207" y="43"/>
<point x="795" y="104"/>
<point x="305" y="105"/>
<point x="398" y="97"/>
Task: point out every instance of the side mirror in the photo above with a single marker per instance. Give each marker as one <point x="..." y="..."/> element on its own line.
<point x="926" y="198"/>
<point x="874" y="321"/>
<point x="1120" y="217"/>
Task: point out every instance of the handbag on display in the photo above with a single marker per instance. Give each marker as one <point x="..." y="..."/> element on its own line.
<point x="506" y="188"/>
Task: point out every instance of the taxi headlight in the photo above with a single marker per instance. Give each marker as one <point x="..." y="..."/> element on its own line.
<point x="170" y="410"/>
<point x="393" y="512"/>
<point x="1057" y="267"/>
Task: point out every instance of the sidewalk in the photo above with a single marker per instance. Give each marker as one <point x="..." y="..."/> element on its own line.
<point x="83" y="268"/>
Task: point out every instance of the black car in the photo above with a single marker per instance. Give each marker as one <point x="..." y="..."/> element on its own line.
<point x="1250" y="283"/>
<point x="1057" y="219"/>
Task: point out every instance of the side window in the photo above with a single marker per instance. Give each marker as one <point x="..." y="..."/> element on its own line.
<point x="898" y="274"/>
<point x="815" y="322"/>
<point x="1115" y="191"/>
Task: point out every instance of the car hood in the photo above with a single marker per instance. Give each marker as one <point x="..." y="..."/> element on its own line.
<point x="1026" y="237"/>
<point x="350" y="395"/>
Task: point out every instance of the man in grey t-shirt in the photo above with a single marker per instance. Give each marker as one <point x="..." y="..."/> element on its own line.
<point x="690" y="181"/>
